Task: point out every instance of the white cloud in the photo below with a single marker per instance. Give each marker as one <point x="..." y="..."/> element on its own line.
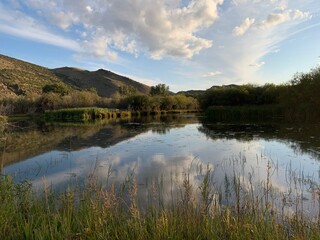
<point x="17" y="24"/>
<point x="242" y="57"/>
<point x="257" y="65"/>
<point x="244" y="27"/>
<point x="274" y="19"/>
<point x="89" y="9"/>
<point x="195" y="34"/>
<point x="155" y="27"/>
<point x="211" y="74"/>
<point x="62" y="19"/>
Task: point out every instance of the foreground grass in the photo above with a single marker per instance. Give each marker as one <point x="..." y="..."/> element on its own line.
<point x="112" y="212"/>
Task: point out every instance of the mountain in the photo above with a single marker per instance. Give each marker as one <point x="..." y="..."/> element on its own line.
<point x="192" y="93"/>
<point x="105" y="82"/>
<point x="20" y="78"/>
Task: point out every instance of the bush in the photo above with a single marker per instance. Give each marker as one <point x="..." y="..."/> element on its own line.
<point x="55" y="88"/>
<point x="158" y="103"/>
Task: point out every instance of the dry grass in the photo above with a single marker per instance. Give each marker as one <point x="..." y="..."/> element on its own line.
<point x="112" y="211"/>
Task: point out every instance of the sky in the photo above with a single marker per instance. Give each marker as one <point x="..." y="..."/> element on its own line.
<point x="185" y="44"/>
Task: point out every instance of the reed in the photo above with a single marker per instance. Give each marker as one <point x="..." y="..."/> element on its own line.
<point x="111" y="210"/>
<point x="84" y="114"/>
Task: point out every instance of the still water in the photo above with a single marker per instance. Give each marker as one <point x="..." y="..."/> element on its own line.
<point x="168" y="148"/>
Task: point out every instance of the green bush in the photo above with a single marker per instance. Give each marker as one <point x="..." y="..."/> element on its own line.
<point x="55" y="88"/>
<point x="158" y="103"/>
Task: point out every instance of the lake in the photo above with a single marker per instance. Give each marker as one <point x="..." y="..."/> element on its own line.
<point x="162" y="152"/>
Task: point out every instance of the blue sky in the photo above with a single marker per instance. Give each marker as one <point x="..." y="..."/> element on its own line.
<point x="185" y="44"/>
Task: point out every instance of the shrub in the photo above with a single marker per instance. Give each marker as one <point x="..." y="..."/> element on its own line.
<point x="55" y="88"/>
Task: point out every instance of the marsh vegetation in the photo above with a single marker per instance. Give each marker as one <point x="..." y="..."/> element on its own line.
<point x="138" y="178"/>
<point x="110" y="209"/>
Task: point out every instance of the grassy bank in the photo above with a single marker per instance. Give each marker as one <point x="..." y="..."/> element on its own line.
<point x="112" y="211"/>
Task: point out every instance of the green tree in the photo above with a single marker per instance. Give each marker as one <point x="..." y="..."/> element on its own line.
<point x="127" y="90"/>
<point x="55" y="88"/>
<point x="159" y="90"/>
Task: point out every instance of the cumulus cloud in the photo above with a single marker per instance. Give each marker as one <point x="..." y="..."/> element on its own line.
<point x="274" y="19"/>
<point x="244" y="27"/>
<point x="194" y="33"/>
<point x="270" y="24"/>
<point x="154" y="27"/>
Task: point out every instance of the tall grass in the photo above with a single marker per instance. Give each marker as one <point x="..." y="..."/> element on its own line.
<point x="113" y="211"/>
<point x="84" y="114"/>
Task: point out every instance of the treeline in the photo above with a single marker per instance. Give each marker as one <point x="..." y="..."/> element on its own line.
<point x="233" y="95"/>
<point x="157" y="102"/>
<point x="55" y="96"/>
<point x="52" y="101"/>
<point x="159" y="99"/>
<point x="298" y="99"/>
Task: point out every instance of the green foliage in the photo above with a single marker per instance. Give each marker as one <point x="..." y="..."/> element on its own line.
<point x="303" y="89"/>
<point x="298" y="100"/>
<point x="55" y="88"/>
<point x="240" y="95"/>
<point x="127" y="90"/>
<point x="158" y="103"/>
<point x="84" y="114"/>
<point x="159" y="90"/>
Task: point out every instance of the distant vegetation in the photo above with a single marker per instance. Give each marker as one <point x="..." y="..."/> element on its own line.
<point x="28" y="89"/>
<point x="159" y="90"/>
<point x="51" y="101"/>
<point x="55" y="88"/>
<point x="297" y="100"/>
<point x="159" y="100"/>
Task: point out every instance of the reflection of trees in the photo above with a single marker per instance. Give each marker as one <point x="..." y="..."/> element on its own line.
<point x="301" y="138"/>
<point x="29" y="139"/>
<point x="161" y="130"/>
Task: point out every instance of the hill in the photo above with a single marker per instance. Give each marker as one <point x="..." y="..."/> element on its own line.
<point x="192" y="93"/>
<point x="20" y="78"/>
<point x="105" y="82"/>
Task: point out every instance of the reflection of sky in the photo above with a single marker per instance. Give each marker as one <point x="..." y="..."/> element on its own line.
<point x="152" y="155"/>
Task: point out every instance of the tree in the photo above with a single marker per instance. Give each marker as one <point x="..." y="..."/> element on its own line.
<point x="160" y="89"/>
<point x="127" y="90"/>
<point x="55" y="88"/>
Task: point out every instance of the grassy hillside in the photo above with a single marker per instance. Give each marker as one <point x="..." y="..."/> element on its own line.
<point x="105" y="82"/>
<point x="19" y="78"/>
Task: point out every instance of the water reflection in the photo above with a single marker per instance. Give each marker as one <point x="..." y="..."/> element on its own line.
<point x="162" y="151"/>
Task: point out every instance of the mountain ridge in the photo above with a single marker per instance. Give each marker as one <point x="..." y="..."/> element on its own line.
<point x="21" y="78"/>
